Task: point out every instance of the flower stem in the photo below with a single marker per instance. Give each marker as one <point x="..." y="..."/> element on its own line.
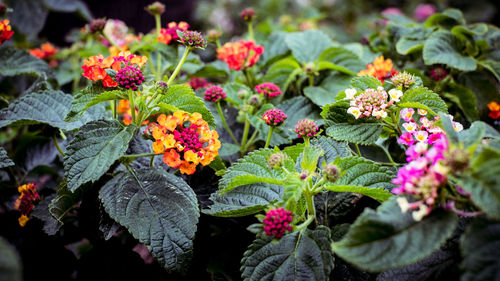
<point x="251" y="140"/>
<point x="179" y="65"/>
<point x="113" y="109"/>
<point x="217" y="43"/>
<point x="219" y="109"/>
<point x="268" y="141"/>
<point x="357" y="149"/>
<point x="132" y="105"/>
<point x="306" y="141"/>
<point x="57" y="146"/>
<point x="311" y="80"/>
<point x="158" y="25"/>
<point x="250" y="31"/>
<point x="245" y="135"/>
<point x="159" y="73"/>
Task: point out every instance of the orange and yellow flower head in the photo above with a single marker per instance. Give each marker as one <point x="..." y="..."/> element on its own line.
<point x="5" y="31"/>
<point x="26" y="201"/>
<point x="94" y="68"/>
<point x="185" y="140"/>
<point x="46" y="52"/>
<point x="380" y="69"/>
<point x="241" y="54"/>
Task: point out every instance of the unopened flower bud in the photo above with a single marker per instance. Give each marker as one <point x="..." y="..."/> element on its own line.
<point x="97" y="25"/>
<point x="248" y="14"/>
<point x="331" y="172"/>
<point x="276" y="160"/>
<point x="306" y="128"/>
<point x="155" y="8"/>
<point x="274" y="117"/>
<point x="403" y="79"/>
<point x="192" y="39"/>
<point x="215" y="94"/>
<point x="213" y="35"/>
<point x="254" y="100"/>
<point x="130" y="77"/>
<point x="242" y="94"/>
<point x="268" y="90"/>
<point x="278" y="222"/>
<point x="310" y="69"/>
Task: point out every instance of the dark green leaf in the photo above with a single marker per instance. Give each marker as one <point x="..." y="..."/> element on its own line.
<point x="10" y="262"/>
<point x="365" y="134"/>
<point x="86" y="99"/>
<point x="342" y="59"/>
<point x="331" y="148"/>
<point x="15" y="62"/>
<point x="283" y="72"/>
<point x="5" y="161"/>
<point x="50" y="225"/>
<point x="441" y="47"/>
<point x="364" y="82"/>
<point x="376" y="238"/>
<point x="464" y="98"/>
<point x="69" y="6"/>
<point x="320" y="96"/>
<point x="96" y="146"/>
<point x="308" y="45"/>
<point x="426" y="97"/>
<point x="446" y="19"/>
<point x="28" y="16"/>
<point x="302" y="255"/>
<point x="159" y="209"/>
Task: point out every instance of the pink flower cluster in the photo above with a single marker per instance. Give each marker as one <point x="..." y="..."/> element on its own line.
<point x="274" y="117"/>
<point x="371" y="102"/>
<point x="192" y="39"/>
<point x="422" y="177"/>
<point x="306" y="128"/>
<point x="278" y="222"/>
<point x="269" y="90"/>
<point x="198" y="82"/>
<point x="129" y="77"/>
<point x="422" y="130"/>
<point x="215" y="94"/>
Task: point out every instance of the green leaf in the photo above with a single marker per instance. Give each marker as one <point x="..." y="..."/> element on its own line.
<point x="96" y="146"/>
<point x="365" y="134"/>
<point x="228" y="149"/>
<point x="48" y="106"/>
<point x="376" y="238"/>
<point x="14" y="62"/>
<point x="415" y="105"/>
<point x="441" y="47"/>
<point x="253" y="168"/>
<point x="342" y="60"/>
<point x="426" y="97"/>
<point x="69" y="6"/>
<point x="232" y="90"/>
<point x="244" y="200"/>
<point x="474" y="135"/>
<point x="447" y="126"/>
<point x="5" y="161"/>
<point x="63" y="202"/>
<point x="275" y="47"/>
<point x="446" y="19"/>
<point x="28" y="16"/>
<point x="310" y="158"/>
<point x="159" y="209"/>
<point x="294" y="151"/>
<point x="320" y="96"/>
<point x="90" y="100"/>
<point x="10" y="262"/>
<point x="184" y="98"/>
<point x="50" y="225"/>
<point x="358" y="171"/>
<point x="307" y="46"/>
<point x="378" y="194"/>
<point x="302" y="255"/>
<point x="481" y="251"/>
<point x="292" y="193"/>
<point x="213" y="70"/>
<point x="491" y="66"/>
<point x="331" y="148"/>
<point x="283" y="72"/>
<point x="483" y="182"/>
<point x="464" y="98"/>
<point x="362" y="83"/>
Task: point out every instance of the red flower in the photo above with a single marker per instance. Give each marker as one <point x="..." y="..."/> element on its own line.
<point x="5" y="31"/>
<point x="241" y="54"/>
<point x="26" y="201"/>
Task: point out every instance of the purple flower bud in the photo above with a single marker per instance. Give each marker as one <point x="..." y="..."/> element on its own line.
<point x="215" y="94"/>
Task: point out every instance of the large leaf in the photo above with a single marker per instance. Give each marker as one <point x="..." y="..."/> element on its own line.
<point x="159" y="209"/>
<point x="19" y="62"/>
<point x="464" y="98"/>
<point x="308" y="45"/>
<point x="63" y="202"/>
<point x="302" y="255"/>
<point x="5" y="161"/>
<point x="441" y="47"/>
<point x="378" y="193"/>
<point x="364" y="82"/>
<point x="90" y="97"/>
<point x="49" y="107"/>
<point x="342" y="60"/>
<point x="484" y="182"/>
<point x="426" y="97"/>
<point x="446" y="19"/>
<point x="283" y="72"/>
<point x="367" y="133"/>
<point x="69" y="6"/>
<point x="183" y="98"/>
<point x="320" y="96"/>
<point x="481" y="251"/>
<point x="10" y="262"/>
<point x="331" y="148"/>
<point x="96" y="146"/>
<point x="28" y="16"/>
<point x="275" y="47"/>
<point x="244" y="200"/>
<point x="253" y="168"/>
<point x="377" y="237"/>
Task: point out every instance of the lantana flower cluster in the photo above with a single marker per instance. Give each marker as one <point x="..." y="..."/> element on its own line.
<point x="380" y="69"/>
<point x="403" y="79"/>
<point x="214" y="94"/>
<point x="422" y="177"/>
<point x="371" y="102"/>
<point x="95" y="67"/>
<point x="241" y="54"/>
<point x="46" y="52"/>
<point x="185" y="140"/>
<point x="198" y="83"/>
<point x="26" y="201"/>
<point x="169" y="35"/>
<point x="494" y="108"/>
<point x="268" y="90"/>
<point x="274" y="117"/>
<point x="306" y="128"/>
<point x="423" y="129"/>
<point x="278" y="222"/>
<point x="5" y="31"/>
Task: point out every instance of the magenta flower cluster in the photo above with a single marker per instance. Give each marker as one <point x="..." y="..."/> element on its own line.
<point x="268" y="90"/>
<point x="214" y="94"/>
<point x="438" y="73"/>
<point x="248" y="14"/>
<point x="129" y="77"/>
<point x="370" y="103"/>
<point x="306" y="128"/>
<point x="192" y="39"/>
<point x="274" y="117"/>
<point x="278" y="222"/>
<point x="422" y="177"/>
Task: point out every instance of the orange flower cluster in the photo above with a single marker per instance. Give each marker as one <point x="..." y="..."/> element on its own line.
<point x="45" y="52"/>
<point x="94" y="68"/>
<point x="494" y="108"/>
<point x="25" y="202"/>
<point x="185" y="141"/>
<point x="380" y="69"/>
<point x="169" y="35"/>
<point x="5" y="31"/>
<point x="241" y="54"/>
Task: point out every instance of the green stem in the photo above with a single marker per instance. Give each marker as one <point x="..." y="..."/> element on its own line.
<point x="132" y="105"/>
<point x="311" y="80"/>
<point x="389" y="156"/>
<point x="251" y="140"/>
<point x="306" y="141"/>
<point x="179" y="65"/>
<point x="250" y="31"/>
<point x="57" y="145"/>
<point x="245" y="135"/>
<point x="268" y="141"/>
<point x="357" y="149"/>
<point x="113" y="109"/>
<point x="219" y="109"/>
<point x="311" y="211"/>
<point x="304" y="224"/>
<point x="159" y="73"/>
<point x="158" y="25"/>
<point x="151" y="161"/>
<point x="217" y="42"/>
<point x="140" y="155"/>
